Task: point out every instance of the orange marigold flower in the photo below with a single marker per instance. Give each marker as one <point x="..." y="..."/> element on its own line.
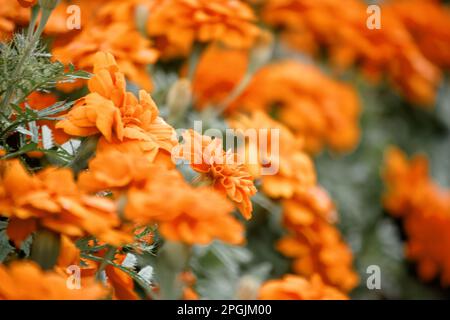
<point x="308" y="211"/>
<point x="118" y="115"/>
<point x="132" y="51"/>
<point x="193" y="215"/>
<point x="320" y="116"/>
<point x="318" y="248"/>
<point x="39" y="101"/>
<point x="424" y="208"/>
<point x="295" y="167"/>
<point x="51" y="199"/>
<point x="292" y="287"/>
<point x="214" y="81"/>
<point x="114" y="171"/>
<point x="11" y="14"/>
<point x="27" y="3"/>
<point x="26" y="281"/>
<point x="431" y="31"/>
<point x="292" y="89"/>
<point x="205" y="155"/>
<point x="177" y="24"/>
<point x="389" y="50"/>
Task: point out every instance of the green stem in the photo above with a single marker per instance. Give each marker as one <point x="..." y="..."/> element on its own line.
<point x="107" y="259"/>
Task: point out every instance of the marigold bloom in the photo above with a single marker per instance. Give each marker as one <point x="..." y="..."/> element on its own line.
<point x="51" y="199"/>
<point x="26" y="281"/>
<point x="205" y="155"/>
<point x="193" y="215"/>
<point x="425" y="210"/>
<point x="11" y="14"/>
<point x="292" y="287"/>
<point x="431" y="32"/>
<point x="214" y="81"/>
<point x="295" y="89"/>
<point x="177" y="24"/>
<point x="318" y="248"/>
<point x="132" y="51"/>
<point x="113" y="170"/>
<point x="118" y="115"/>
<point x="308" y="212"/>
<point x="290" y="88"/>
<point x="389" y="50"/>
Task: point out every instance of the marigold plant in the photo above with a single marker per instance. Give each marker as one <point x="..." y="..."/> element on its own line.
<point x="223" y="149"/>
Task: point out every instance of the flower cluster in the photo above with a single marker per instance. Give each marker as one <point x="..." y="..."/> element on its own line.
<point x="101" y="171"/>
<point x="424" y="208"/>
<point x="308" y="212"/>
<point x="322" y="117"/>
<point x="398" y="48"/>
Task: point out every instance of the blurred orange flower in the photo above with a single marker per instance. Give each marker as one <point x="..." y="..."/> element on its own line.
<point x="431" y="32"/>
<point x="425" y="210"/>
<point x="295" y="167"/>
<point x="295" y="92"/>
<point x="193" y="215"/>
<point x="11" y="14"/>
<point x="319" y="248"/>
<point x="310" y="25"/>
<point x="26" y="281"/>
<point x="39" y="101"/>
<point x="51" y="199"/>
<point x="290" y="89"/>
<point x="132" y="51"/>
<point x="27" y="3"/>
<point x="308" y="212"/>
<point x="292" y="287"/>
<point x="114" y="171"/>
<point x="177" y="24"/>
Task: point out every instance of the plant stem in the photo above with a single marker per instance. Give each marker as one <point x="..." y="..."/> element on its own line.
<point x="107" y="259"/>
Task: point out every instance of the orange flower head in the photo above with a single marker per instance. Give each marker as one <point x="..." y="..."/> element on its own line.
<point x="177" y="24"/>
<point x="292" y="287"/>
<point x="295" y="168"/>
<point x="424" y="207"/>
<point x="321" y="117"/>
<point x="390" y="50"/>
<point x="26" y="281"/>
<point x="193" y="215"/>
<point x="27" y="3"/>
<point x="205" y="155"/>
<point x="12" y="14"/>
<point x="132" y="51"/>
<point x="120" y="118"/>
